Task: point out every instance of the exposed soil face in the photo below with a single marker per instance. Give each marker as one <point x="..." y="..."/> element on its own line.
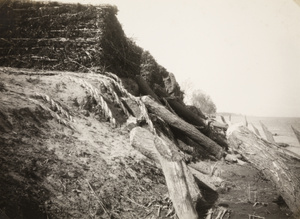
<point x="81" y="169"/>
<point x="65" y="160"/>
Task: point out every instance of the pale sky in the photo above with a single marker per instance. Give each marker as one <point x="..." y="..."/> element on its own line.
<point x="244" y="53"/>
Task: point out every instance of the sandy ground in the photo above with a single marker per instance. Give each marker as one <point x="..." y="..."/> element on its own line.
<point x="72" y="163"/>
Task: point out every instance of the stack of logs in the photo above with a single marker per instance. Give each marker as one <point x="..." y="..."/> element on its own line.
<point x="179" y="137"/>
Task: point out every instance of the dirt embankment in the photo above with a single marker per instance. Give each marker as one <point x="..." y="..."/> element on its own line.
<point x="68" y="162"/>
<point x="61" y="157"/>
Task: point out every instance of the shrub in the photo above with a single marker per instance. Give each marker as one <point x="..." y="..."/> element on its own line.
<point x="204" y="102"/>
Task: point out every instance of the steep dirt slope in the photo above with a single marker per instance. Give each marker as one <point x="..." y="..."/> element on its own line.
<point x="68" y="162"/>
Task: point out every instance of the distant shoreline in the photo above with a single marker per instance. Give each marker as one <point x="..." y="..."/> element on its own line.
<point x="242" y="115"/>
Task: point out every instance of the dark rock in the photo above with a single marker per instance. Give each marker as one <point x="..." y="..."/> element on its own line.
<point x="172" y="86"/>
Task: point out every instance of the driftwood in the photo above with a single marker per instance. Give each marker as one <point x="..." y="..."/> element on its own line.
<point x="183" y="190"/>
<point x="145" y="88"/>
<point x="219" y="125"/>
<point x="181" y="183"/>
<point x="219" y="139"/>
<point x="186" y="114"/>
<point x="246" y="121"/>
<point x="268" y="134"/>
<point x="178" y="123"/>
<point x="255" y="130"/>
<point x="191" y="147"/>
<point x="297" y="133"/>
<point x="167" y="105"/>
<point x="143" y="141"/>
<point x="132" y="107"/>
<point x="201" y="124"/>
<point x="223" y="119"/>
<point x="197" y="120"/>
<point x="205" y="172"/>
<point x="274" y="163"/>
<point x="159" y="91"/>
<point x="196" y="111"/>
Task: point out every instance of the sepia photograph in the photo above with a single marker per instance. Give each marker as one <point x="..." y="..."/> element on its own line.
<point x="149" y="109"/>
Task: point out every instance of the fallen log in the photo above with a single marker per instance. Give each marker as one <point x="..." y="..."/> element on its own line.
<point x="167" y="105"/>
<point x="174" y="121"/>
<point x="268" y="134"/>
<point x="271" y="160"/>
<point x="201" y="124"/>
<point x="132" y="107"/>
<point x="159" y="91"/>
<point x="219" y="125"/>
<point x="246" y="121"/>
<point x="143" y="141"/>
<point x="183" y="190"/>
<point x="145" y="88"/>
<point x="223" y="120"/>
<point x="191" y="147"/>
<point x="255" y="130"/>
<point x="219" y="139"/>
<point x="186" y="114"/>
<point x="196" y="111"/>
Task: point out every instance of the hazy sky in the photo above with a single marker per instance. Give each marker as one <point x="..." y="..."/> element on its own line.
<point x="244" y="53"/>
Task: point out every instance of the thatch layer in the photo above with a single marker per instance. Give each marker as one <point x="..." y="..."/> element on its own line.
<point x="74" y="37"/>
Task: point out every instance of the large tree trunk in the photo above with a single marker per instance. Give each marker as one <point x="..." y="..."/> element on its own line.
<point x="192" y="118"/>
<point x="145" y="88"/>
<point x="181" y="183"/>
<point x="281" y="168"/>
<point x="143" y="141"/>
<point x="201" y="124"/>
<point x="186" y="114"/>
<point x="196" y="111"/>
<point x="183" y="190"/>
<point x="159" y="91"/>
<point x="174" y="121"/>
